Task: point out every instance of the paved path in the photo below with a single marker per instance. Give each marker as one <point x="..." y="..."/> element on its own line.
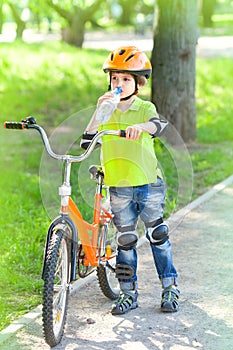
<point x="202" y="247"/>
<point x="207" y="46"/>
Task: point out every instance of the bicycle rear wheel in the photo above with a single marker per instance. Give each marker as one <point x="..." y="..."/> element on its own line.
<point x="106" y="270"/>
<point x="56" y="288"/>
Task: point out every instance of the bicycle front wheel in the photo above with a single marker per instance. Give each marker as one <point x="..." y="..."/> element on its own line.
<point x="56" y="288"/>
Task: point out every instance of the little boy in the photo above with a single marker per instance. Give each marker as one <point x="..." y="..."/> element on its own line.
<point x="135" y="183"/>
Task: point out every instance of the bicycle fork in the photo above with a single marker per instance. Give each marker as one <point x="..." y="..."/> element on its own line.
<point x="64" y="223"/>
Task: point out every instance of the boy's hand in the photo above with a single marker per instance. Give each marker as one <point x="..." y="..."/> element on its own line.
<point x="133" y="132"/>
<point x="108" y="95"/>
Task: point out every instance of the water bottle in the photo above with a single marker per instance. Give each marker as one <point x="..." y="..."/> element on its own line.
<point x="107" y="107"/>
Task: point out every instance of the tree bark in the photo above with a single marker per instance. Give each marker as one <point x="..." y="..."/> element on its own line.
<point x="173" y="62"/>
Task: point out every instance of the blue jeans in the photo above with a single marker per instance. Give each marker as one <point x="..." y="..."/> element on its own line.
<point x="146" y="201"/>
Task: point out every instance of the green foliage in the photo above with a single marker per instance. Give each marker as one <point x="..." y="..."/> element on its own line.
<point x="52" y="81"/>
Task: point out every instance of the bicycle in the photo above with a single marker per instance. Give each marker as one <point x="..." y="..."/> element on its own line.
<point x="74" y="247"/>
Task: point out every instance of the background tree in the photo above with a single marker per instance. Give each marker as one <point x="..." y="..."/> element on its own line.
<point x="127" y="7"/>
<point x="129" y="12"/>
<point x="39" y="12"/>
<point x="75" y="16"/>
<point x="16" y="11"/>
<point x="173" y="61"/>
<point x="207" y="10"/>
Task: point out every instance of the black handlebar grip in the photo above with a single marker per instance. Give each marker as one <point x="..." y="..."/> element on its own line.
<point x="14" y="125"/>
<point x="122" y="133"/>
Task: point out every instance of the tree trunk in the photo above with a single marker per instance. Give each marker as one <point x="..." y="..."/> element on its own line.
<point x="76" y="19"/>
<point x="127" y="9"/>
<point x="74" y="35"/>
<point x="20" y="29"/>
<point x="173" y="62"/>
<point x="20" y="24"/>
<point x="207" y="12"/>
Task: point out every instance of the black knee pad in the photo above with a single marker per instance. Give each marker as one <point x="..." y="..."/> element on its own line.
<point x="127" y="240"/>
<point x="158" y="234"/>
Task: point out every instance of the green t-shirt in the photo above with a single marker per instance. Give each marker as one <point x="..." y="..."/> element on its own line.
<point x="129" y="162"/>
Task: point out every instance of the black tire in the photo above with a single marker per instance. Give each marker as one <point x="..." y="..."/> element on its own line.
<point x="56" y="288"/>
<point x="106" y="271"/>
<point x="108" y="282"/>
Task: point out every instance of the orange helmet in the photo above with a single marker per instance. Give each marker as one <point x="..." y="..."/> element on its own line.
<point x="128" y="59"/>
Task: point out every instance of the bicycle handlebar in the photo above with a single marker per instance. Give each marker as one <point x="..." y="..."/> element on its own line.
<point x="14" y="125"/>
<point x="30" y="123"/>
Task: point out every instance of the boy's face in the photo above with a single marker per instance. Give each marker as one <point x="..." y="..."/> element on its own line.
<point x="125" y="81"/>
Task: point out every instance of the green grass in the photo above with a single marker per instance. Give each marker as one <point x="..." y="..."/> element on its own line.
<point x="212" y="155"/>
<point x="41" y="74"/>
<point x="22" y="220"/>
<point x="52" y="82"/>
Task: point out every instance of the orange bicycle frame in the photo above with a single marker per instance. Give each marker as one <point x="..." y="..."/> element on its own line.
<point x="88" y="233"/>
